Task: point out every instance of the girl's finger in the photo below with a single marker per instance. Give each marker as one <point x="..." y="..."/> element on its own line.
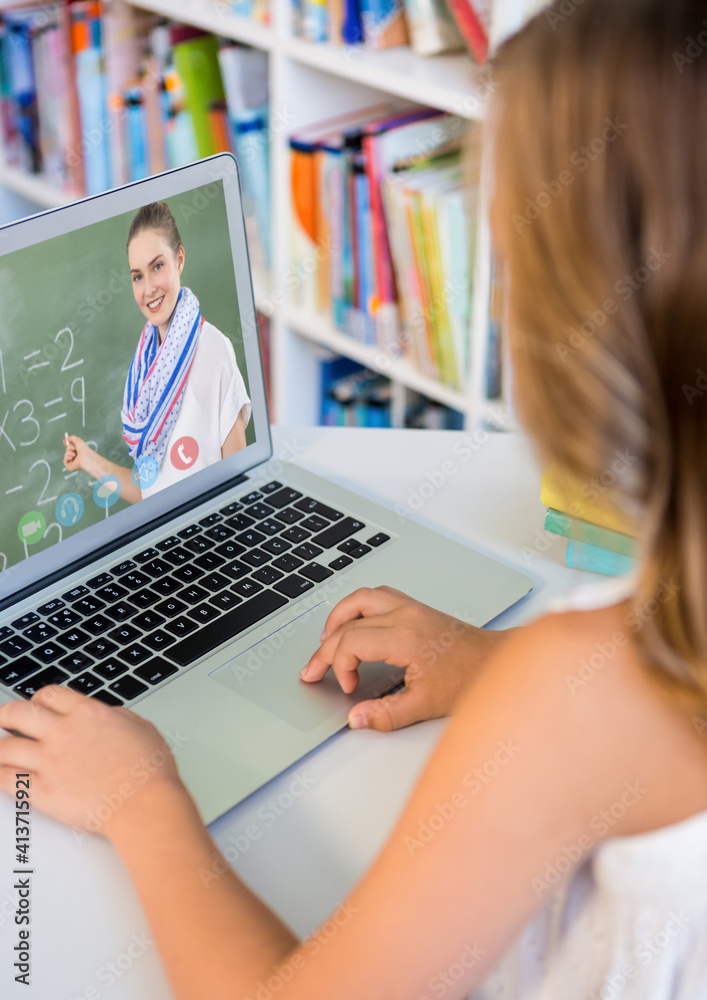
<point x="354" y="646"/>
<point x="18" y="754"/>
<point x="320" y="661"/>
<point x="361" y="603"/>
<point x="30" y="718"/>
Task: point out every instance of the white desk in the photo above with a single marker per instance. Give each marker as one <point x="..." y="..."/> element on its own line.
<point x="309" y="850"/>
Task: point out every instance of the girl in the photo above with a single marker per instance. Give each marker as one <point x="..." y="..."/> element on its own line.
<point x="185" y="403"/>
<point x="579" y="869"/>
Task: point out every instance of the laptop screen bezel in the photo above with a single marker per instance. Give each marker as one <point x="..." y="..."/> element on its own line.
<point x="64" y="558"/>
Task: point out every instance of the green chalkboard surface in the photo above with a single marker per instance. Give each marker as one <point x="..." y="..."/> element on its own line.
<point x="69" y="326"/>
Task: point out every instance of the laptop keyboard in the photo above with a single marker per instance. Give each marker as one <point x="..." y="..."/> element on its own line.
<point x="130" y="628"/>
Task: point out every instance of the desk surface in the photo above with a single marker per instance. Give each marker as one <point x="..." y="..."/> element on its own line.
<point x="303" y="840"/>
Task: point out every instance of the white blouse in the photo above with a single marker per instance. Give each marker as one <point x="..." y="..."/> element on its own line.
<point x="631" y="921"/>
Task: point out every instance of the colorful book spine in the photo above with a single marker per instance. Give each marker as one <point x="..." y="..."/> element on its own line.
<point x="196" y="61"/>
<point x="384" y="23"/>
<point x="432" y="27"/>
<point x="592" y="534"/>
<point x="582" y="555"/>
<point x="589" y="501"/>
<point x="472" y="18"/>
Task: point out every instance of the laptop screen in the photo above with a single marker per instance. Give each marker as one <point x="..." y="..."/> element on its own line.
<point x="130" y="373"/>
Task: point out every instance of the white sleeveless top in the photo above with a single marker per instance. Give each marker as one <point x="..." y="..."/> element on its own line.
<point x="631" y="921"/>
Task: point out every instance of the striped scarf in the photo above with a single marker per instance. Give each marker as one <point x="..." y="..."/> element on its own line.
<point x="158" y="374"/>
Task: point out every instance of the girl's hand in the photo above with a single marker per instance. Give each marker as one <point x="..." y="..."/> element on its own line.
<point x="439" y="654"/>
<point x="91" y="765"/>
<point x="76" y="452"/>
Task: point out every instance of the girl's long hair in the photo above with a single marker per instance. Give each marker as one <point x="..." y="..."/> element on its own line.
<point x="600" y="141"/>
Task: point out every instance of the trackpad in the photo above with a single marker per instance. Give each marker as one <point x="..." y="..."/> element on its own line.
<point x="267" y="674"/>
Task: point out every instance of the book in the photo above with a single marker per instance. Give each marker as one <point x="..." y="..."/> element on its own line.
<point x="384" y="23"/>
<point x="582" y="555"/>
<point x="589" y="501"/>
<point x="473" y="19"/>
<point x="593" y="534"/>
<point x="432" y="27"/>
<point x="196" y="61"/>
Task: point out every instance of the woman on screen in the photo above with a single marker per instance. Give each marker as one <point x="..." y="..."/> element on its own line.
<point x="185" y="404"/>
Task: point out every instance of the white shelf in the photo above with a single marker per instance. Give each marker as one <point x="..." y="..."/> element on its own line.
<point x="318" y="329"/>
<point x="33" y="187"/>
<point x="215" y="17"/>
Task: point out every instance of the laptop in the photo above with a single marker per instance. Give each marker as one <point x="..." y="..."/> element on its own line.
<point x="196" y="603"/>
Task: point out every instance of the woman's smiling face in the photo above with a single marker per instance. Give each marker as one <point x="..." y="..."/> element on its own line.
<point x="155" y="270"/>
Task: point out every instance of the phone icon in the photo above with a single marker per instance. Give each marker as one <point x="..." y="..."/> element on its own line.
<point x="184" y="453"/>
<point x="185" y="458"/>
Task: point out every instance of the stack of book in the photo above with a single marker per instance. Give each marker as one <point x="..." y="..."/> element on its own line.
<point x="429" y="26"/>
<point x="600" y="539"/>
<point x="95" y="96"/>
<point x="383" y="233"/>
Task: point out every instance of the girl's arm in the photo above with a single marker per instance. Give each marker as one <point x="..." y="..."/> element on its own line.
<point x="78" y="455"/>
<point x="516" y="783"/>
<point x="236" y="438"/>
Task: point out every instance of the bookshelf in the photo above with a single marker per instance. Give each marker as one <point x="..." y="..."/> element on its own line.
<point x="309" y="82"/>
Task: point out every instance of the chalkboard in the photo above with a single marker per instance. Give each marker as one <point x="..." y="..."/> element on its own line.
<point x="69" y="326"/>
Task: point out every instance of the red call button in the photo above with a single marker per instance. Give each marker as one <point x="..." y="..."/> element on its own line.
<point x="184" y="453"/>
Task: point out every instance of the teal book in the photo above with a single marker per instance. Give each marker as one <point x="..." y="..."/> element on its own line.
<point x="594" y="534"/>
<point x="582" y="555"/>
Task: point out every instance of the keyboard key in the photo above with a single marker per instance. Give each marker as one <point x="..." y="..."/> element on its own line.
<point x="231" y="508"/>
<point x="167" y="543"/>
<point x="269" y="526"/>
<point x="52" y="675"/>
<point x="64" y="618"/>
<point x="144" y="598"/>
<point x="47" y="653"/>
<point x="146" y="555"/>
<point x="283" y="497"/>
<point x="159" y="640"/>
<point x="315" y="523"/>
<point x="246" y="588"/>
<point x="128" y="687"/>
<point x="219" y="533"/>
<point x="226" y="627"/>
<point x="100" y="648"/>
<point x="270" y="487"/>
<point x="155" y="671"/>
<point x="187" y="574"/>
<point x="134" y="580"/>
<point x="337" y="532"/>
<point x="107" y="697"/>
<point x="250" y="538"/>
<point x="236" y="570"/>
<point x="260" y="510"/>
<point x="15" y="646"/>
<point x="267" y="575"/>
<point x="99" y="581"/>
<point x="97" y="625"/>
<point x="361" y="550"/>
<point x="276" y="546"/>
<point x="166" y="586"/>
<point x="89" y="605"/>
<point x="193" y="594"/>
<point x="171" y="608"/>
<point x="295" y="535"/>
<point x="85" y="683"/>
<point x="50" y="607"/>
<point x="156" y="568"/>
<point x="17" y="671"/>
<point x="256" y="557"/>
<point x="350" y="543"/>
<point x="189" y="531"/>
<point x="316" y="572"/>
<point x="199" y="544"/>
<point x="287" y="562"/>
<point x="251" y="497"/>
<point x="134" y="654"/>
<point x="124" y="635"/>
<point x="210" y="519"/>
<point x="341" y="562"/>
<point x="121" y="612"/>
<point x="311" y="506"/>
<point x="239" y="522"/>
<point x="29" y="619"/>
<point x="293" y="586"/>
<point x="75" y="662"/>
<point x="225" y="600"/>
<point x="229" y="550"/>
<point x="178" y="556"/>
<point x="110" y="668"/>
<point x="378" y="539"/>
<point x="75" y="593"/>
<point x="5" y="632"/>
<point x="204" y="614"/>
<point x="214" y="582"/>
<point x="149" y="620"/>
<point x="124" y="567"/>
<point x="209" y="561"/>
<point x="39" y="632"/>
<point x="289" y="515"/>
<point x="181" y="627"/>
<point x="74" y="637"/>
<point x="113" y="592"/>
<point x="307" y="551"/>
